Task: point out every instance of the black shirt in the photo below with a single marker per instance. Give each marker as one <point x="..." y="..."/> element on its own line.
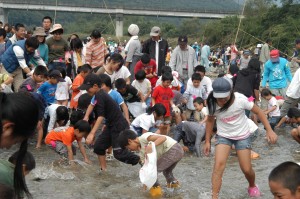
<point x="106" y="107"/>
<point x="131" y="94"/>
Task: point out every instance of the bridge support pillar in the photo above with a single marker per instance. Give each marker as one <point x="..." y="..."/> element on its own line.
<point x="3" y="16"/>
<point x="119" y="25"/>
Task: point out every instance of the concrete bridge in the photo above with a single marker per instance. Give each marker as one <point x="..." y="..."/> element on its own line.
<point x="49" y="5"/>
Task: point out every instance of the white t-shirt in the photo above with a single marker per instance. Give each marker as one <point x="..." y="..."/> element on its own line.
<point x="204" y="111"/>
<point x="62" y="91"/>
<point x="232" y="123"/>
<point x="122" y="73"/>
<point x="205" y="82"/>
<point x="253" y="127"/>
<point x="273" y="102"/>
<point x="293" y="90"/>
<point x="160" y="149"/>
<point x="145" y="121"/>
<point x="143" y="87"/>
<point x="51" y="110"/>
<point x="174" y="83"/>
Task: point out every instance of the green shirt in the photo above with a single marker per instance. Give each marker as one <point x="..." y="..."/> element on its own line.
<point x="7" y="173"/>
<point x="57" y="49"/>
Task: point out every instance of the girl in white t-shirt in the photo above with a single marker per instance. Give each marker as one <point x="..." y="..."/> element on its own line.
<point x="62" y="92"/>
<point x="153" y="118"/>
<point x="273" y="109"/>
<point x="228" y="109"/>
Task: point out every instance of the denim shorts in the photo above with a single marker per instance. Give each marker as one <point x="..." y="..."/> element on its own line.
<point x="239" y="144"/>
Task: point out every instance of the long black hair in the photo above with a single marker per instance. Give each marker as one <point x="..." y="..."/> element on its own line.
<point x="158" y="108"/>
<point x="212" y="103"/>
<point x="23" y="112"/>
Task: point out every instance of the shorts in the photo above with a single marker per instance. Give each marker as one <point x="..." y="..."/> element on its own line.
<point x="239" y="144"/>
<point x="61" y="149"/>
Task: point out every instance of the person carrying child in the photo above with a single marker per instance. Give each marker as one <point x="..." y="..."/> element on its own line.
<point x="106" y="108"/>
<point x="175" y="83"/>
<point x="284" y="181"/>
<point x="61" y="141"/>
<point x="228" y="109"/>
<point x="273" y="109"/>
<point x="169" y="153"/>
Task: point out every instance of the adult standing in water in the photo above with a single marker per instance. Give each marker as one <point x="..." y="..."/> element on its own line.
<point x="133" y="49"/>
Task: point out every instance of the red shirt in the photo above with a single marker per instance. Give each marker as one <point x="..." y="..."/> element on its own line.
<point x="164" y="96"/>
<point x="149" y="69"/>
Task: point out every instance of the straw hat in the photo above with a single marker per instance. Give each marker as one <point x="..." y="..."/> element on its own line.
<point x="56" y="27"/>
<point x="39" y="31"/>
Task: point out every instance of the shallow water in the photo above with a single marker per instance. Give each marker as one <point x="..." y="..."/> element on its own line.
<point x="52" y="178"/>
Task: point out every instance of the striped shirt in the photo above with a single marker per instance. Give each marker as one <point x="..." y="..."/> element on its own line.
<point x="95" y="53"/>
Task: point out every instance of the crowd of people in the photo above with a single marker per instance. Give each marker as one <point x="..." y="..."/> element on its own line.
<point x="118" y="99"/>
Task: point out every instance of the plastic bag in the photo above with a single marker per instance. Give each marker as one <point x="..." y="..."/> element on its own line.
<point x="148" y="173"/>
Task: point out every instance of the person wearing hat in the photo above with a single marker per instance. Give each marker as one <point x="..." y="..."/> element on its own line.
<point x="58" y="48"/>
<point x="277" y="72"/>
<point x="257" y="50"/>
<point x="106" y="108"/>
<point x="157" y="48"/>
<point x="95" y="50"/>
<point x="183" y="59"/>
<point x="43" y="50"/>
<point x="48" y="88"/>
<point x="133" y="49"/>
<point x="244" y="59"/>
<point x="16" y="59"/>
<point x="227" y="109"/>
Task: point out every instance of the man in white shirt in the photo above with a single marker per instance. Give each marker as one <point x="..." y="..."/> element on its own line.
<point x="292" y="94"/>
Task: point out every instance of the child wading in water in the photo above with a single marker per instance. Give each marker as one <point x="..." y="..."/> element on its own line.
<point x="169" y="153"/>
<point x="233" y="129"/>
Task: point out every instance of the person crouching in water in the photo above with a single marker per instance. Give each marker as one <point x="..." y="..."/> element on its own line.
<point x="169" y="153"/>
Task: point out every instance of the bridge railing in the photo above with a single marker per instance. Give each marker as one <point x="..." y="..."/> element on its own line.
<point x="110" y="5"/>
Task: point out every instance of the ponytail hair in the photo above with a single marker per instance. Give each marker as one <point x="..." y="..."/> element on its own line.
<point x="159" y="109"/>
<point x="212" y="103"/>
<point x="23" y="112"/>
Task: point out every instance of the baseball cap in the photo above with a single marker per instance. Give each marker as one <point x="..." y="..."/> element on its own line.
<point x="89" y="82"/>
<point x="247" y="52"/>
<point x="182" y="39"/>
<point x="222" y="87"/>
<point x="155" y="31"/>
<point x="57" y="75"/>
<point x="274" y="55"/>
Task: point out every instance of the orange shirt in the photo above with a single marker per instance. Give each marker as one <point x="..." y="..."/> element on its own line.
<point x="66" y="136"/>
<point x="76" y="83"/>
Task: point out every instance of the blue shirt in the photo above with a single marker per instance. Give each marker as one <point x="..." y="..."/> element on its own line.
<point x="47" y="90"/>
<point x="116" y="97"/>
<point x="277" y="73"/>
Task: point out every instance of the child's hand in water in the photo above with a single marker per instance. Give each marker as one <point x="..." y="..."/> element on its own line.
<point x="206" y="148"/>
<point x="272" y="137"/>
